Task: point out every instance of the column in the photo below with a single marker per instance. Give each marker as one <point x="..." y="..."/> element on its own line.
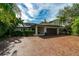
<point x="57" y="31"/>
<point x="45" y="30"/>
<point x="36" y="30"/>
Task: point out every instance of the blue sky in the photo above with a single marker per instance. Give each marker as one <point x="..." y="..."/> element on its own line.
<point x="37" y="12"/>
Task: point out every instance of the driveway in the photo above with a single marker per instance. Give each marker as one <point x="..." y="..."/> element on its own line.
<point x="47" y="46"/>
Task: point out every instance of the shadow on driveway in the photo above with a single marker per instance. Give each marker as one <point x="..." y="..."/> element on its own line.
<point x="8" y="44"/>
<point x="52" y="36"/>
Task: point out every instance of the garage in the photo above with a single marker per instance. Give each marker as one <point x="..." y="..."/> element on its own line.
<point x="51" y="31"/>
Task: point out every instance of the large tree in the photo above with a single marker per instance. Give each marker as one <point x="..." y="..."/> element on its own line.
<point x="8" y="18"/>
<point x="70" y="13"/>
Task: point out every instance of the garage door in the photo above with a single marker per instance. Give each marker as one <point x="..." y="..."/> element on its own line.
<point x="51" y="31"/>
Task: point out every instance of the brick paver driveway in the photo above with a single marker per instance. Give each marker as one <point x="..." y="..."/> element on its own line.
<point x="47" y="46"/>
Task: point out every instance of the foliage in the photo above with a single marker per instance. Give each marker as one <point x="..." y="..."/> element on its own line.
<point x="17" y="33"/>
<point x="70" y="13"/>
<point x="28" y="32"/>
<point x="68" y="29"/>
<point x="65" y="14"/>
<point x="23" y="33"/>
<point x="75" y="27"/>
<point x="8" y="18"/>
<point x="11" y="29"/>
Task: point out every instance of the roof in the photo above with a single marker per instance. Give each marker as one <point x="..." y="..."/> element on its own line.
<point x="47" y="24"/>
<point x="52" y="23"/>
<point x="25" y="25"/>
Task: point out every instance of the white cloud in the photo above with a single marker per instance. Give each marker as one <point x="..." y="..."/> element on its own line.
<point x="29" y="6"/>
<point x="25" y="18"/>
<point x="54" y="8"/>
<point x="31" y="11"/>
<point x="51" y="19"/>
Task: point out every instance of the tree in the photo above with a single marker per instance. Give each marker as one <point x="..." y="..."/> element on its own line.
<point x="75" y="27"/>
<point x="65" y="14"/>
<point x="70" y="13"/>
<point x="8" y="18"/>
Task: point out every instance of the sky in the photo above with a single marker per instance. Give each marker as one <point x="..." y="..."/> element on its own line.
<point x="37" y="12"/>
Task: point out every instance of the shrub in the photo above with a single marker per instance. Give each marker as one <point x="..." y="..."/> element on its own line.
<point x="28" y="32"/>
<point x="75" y="27"/>
<point x="17" y="33"/>
<point x="68" y="29"/>
<point x="3" y="28"/>
<point x="22" y="33"/>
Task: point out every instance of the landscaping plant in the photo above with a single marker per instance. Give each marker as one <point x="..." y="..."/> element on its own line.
<point x="8" y="19"/>
<point x="75" y="27"/>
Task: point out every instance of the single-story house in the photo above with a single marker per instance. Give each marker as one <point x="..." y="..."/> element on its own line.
<point x="46" y="29"/>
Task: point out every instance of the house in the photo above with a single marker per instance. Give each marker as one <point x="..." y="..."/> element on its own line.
<point x="44" y="28"/>
<point x="47" y="28"/>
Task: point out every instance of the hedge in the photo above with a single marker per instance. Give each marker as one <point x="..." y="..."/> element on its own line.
<point x="23" y="33"/>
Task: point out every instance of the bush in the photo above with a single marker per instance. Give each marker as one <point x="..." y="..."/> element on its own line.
<point x="3" y="28"/>
<point x="68" y="29"/>
<point x="17" y="33"/>
<point x="75" y="27"/>
<point x="22" y="33"/>
<point x="28" y="32"/>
